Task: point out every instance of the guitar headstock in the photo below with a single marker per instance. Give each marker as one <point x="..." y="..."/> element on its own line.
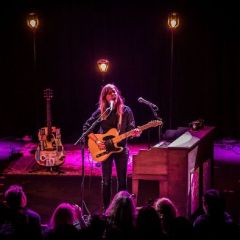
<point x="155" y="123"/>
<point x="48" y="93"/>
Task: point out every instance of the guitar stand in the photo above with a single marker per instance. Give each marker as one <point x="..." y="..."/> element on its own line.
<point x="35" y="168"/>
<point x="56" y="169"/>
<point x="53" y="169"/>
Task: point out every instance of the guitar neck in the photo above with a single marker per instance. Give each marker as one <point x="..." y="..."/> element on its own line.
<point x="130" y="133"/>
<point x="49" y="117"/>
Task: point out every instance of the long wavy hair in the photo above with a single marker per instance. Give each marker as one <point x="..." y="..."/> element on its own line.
<point x="62" y="214"/>
<point x="167" y="212"/>
<point x="103" y="104"/>
<point x="165" y="207"/>
<point x="122" y="211"/>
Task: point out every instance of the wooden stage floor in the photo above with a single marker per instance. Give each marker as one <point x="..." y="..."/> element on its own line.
<point x="72" y="166"/>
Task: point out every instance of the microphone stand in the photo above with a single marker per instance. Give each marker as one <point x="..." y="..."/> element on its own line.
<point x="154" y="110"/>
<point x="82" y="142"/>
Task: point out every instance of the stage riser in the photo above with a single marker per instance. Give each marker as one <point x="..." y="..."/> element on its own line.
<point x="46" y="192"/>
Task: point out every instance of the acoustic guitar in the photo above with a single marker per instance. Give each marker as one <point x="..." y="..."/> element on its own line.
<point x="50" y="151"/>
<point x="111" y="138"/>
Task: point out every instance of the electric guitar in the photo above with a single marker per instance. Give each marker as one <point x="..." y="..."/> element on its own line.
<point x="111" y="138"/>
<point x="50" y="151"/>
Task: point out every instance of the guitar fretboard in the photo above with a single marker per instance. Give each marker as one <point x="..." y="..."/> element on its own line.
<point x="142" y="128"/>
<point x="49" y="117"/>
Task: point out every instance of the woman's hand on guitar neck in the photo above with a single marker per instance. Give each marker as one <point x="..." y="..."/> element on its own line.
<point x="136" y="132"/>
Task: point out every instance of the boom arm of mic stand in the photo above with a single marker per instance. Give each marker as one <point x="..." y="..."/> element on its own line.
<point x="82" y="137"/>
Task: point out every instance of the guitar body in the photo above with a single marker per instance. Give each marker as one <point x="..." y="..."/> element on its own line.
<point x="50" y="150"/>
<point x="101" y="155"/>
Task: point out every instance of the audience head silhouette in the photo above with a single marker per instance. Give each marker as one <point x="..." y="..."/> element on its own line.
<point x="167" y="213"/>
<point x="165" y="208"/>
<point x="20" y="222"/>
<point x="148" y="224"/>
<point x="121" y="211"/>
<point x="213" y="202"/>
<point x="15" y="197"/>
<point x="63" y="214"/>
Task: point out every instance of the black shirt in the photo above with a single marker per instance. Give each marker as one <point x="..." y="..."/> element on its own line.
<point x="128" y="122"/>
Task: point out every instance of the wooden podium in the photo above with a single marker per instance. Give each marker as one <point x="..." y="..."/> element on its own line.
<point x="184" y="168"/>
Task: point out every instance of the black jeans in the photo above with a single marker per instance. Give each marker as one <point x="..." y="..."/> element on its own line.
<point x="121" y="160"/>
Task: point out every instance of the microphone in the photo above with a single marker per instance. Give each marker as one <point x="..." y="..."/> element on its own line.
<point x="111" y="105"/>
<point x="142" y="100"/>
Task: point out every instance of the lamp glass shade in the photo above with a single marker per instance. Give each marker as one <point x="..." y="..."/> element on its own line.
<point x="173" y="20"/>
<point x="32" y="21"/>
<point x="103" y="65"/>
